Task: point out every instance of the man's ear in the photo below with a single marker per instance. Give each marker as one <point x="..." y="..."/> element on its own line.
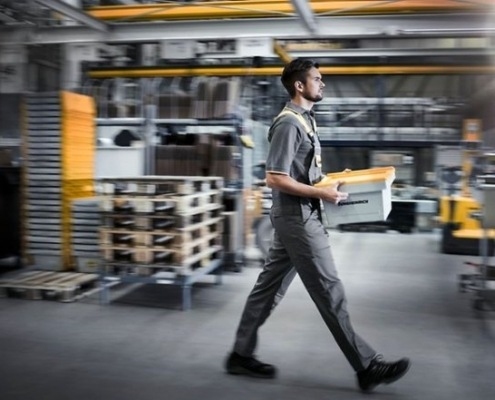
<point x="299" y="85"/>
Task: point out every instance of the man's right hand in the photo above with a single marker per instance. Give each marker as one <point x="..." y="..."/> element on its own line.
<point x="332" y="194"/>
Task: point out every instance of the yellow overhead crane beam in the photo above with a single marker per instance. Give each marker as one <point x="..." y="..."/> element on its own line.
<point x="279" y="50"/>
<point x="283" y="8"/>
<point x="270" y="71"/>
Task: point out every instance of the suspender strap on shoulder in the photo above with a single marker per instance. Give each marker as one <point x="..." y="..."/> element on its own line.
<point x="307" y="126"/>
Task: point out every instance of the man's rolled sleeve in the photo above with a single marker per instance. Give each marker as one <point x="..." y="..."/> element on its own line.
<point x="283" y="148"/>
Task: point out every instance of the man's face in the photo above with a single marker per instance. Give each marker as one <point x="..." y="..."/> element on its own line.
<point x="313" y="88"/>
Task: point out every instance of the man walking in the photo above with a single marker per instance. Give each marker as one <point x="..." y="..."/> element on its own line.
<point x="300" y="243"/>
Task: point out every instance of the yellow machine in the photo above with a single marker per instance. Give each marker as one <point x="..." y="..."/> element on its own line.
<point x="460" y="214"/>
<point x="461" y="228"/>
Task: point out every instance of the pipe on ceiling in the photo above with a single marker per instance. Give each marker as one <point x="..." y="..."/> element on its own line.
<point x="306" y="15"/>
<point x="270" y="71"/>
<point x="273" y="8"/>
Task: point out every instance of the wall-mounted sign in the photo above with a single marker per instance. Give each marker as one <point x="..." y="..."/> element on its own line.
<point x="178" y="49"/>
<point x="255" y="47"/>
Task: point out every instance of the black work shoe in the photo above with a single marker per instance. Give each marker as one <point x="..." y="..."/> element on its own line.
<point x="239" y="365"/>
<point x="379" y="372"/>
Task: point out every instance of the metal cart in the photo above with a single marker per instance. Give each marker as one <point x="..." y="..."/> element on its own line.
<point x="482" y="281"/>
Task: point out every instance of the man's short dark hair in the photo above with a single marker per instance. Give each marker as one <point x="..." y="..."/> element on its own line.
<point x="296" y="70"/>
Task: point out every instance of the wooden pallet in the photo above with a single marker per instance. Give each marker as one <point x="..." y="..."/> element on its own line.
<point x="194" y="262"/>
<point x="160" y="238"/>
<point x="158" y="185"/>
<point x="183" y="254"/>
<point x="154" y="222"/>
<point x="47" y="285"/>
<point x="161" y="204"/>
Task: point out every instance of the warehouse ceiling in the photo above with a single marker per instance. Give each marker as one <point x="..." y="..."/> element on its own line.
<point x="349" y="33"/>
<point x="359" y="37"/>
<point x="57" y="21"/>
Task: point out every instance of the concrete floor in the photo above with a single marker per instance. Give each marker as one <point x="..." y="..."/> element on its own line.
<point x="403" y="299"/>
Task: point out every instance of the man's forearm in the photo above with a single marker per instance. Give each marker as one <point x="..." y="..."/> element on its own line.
<point x="288" y="185"/>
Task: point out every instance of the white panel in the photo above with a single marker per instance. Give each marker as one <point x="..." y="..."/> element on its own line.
<point x="83" y="52"/>
<point x="252" y="47"/>
<point x="178" y="49"/>
<point x="119" y="161"/>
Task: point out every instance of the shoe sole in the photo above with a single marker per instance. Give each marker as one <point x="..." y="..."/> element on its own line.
<point x="388" y="381"/>
<point x="244" y="371"/>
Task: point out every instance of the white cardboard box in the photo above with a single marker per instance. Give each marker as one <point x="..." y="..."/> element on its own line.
<point x="370" y="196"/>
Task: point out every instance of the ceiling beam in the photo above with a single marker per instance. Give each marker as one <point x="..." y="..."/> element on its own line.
<point x="305" y="13"/>
<point x="395" y="53"/>
<point x="75" y="13"/>
<point x="281" y="53"/>
<point x="268" y="8"/>
<point x="270" y="71"/>
<point x="436" y="25"/>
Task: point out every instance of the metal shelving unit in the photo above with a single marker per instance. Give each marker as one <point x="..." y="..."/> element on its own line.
<point x="482" y="282"/>
<point x="160" y="230"/>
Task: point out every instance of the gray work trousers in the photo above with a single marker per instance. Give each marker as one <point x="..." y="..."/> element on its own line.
<point x="300" y="244"/>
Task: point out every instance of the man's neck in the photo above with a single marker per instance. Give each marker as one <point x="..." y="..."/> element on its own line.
<point x="302" y="102"/>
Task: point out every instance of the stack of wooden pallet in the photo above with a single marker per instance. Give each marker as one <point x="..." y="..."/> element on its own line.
<point x="85" y="218"/>
<point x="160" y="223"/>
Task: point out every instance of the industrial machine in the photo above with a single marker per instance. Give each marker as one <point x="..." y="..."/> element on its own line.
<point x="460" y="212"/>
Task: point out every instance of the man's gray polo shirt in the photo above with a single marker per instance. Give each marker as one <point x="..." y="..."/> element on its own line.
<point x="292" y="152"/>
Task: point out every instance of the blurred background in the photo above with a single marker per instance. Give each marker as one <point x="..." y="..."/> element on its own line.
<point x="133" y="137"/>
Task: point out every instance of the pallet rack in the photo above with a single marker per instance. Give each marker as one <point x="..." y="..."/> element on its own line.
<point x="161" y="230"/>
<point x="232" y="191"/>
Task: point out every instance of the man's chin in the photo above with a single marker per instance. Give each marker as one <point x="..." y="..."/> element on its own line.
<point x="314" y="99"/>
